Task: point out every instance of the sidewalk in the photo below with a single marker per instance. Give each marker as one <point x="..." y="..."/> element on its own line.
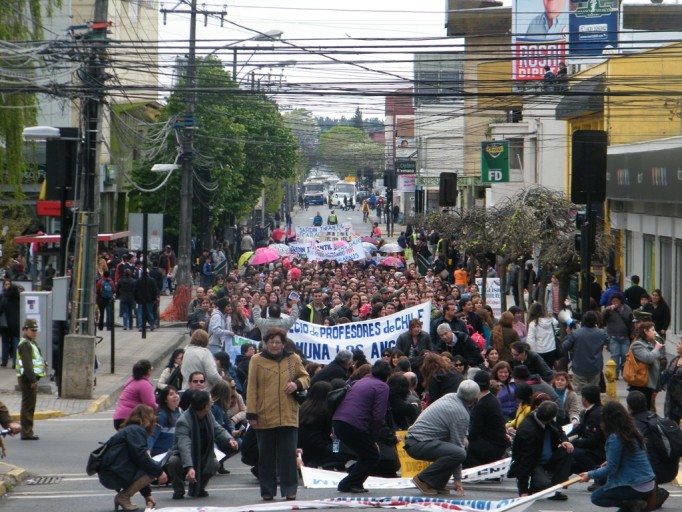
<point x="129" y="348"/>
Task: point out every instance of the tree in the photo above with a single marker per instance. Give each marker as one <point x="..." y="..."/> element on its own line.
<point x="356" y="120"/>
<point x="306" y="130"/>
<point x="20" y="21"/>
<point x="240" y="140"/>
<point x="348" y="150"/>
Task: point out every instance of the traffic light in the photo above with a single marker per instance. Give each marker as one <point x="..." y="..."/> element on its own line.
<point x="419" y="200"/>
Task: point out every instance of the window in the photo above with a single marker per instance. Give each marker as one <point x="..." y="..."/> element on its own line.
<point x="515" y="153"/>
<point x="629" y="253"/>
<point x="665" y="263"/>
<point x="648" y="268"/>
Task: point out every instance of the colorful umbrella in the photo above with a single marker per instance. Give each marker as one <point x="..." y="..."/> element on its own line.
<point x="392" y="261"/>
<point x="369" y="247"/>
<point x="244" y="258"/>
<point x="369" y="240"/>
<point x="339" y="243"/>
<point x="386" y="248"/>
<point x="264" y="255"/>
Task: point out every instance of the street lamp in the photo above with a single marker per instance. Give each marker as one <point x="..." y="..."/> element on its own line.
<point x="270" y="35"/>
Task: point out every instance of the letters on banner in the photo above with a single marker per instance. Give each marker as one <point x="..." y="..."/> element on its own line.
<point x="328" y="251"/>
<point x="342" y="231"/>
<point x="321" y="343"/>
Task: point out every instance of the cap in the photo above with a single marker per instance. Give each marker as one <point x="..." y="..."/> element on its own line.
<point x="30" y="323"/>
<point x="641" y="316"/>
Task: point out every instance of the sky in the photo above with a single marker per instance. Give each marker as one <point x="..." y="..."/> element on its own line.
<point x="346" y="53"/>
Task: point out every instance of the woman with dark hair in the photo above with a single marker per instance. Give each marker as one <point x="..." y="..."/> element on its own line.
<point x="438" y="377"/>
<point x="275" y="374"/>
<point x="414" y="342"/>
<point x="504" y="335"/>
<point x="201" y="317"/>
<point x="660" y="312"/>
<point x="524" y="396"/>
<point x="315" y="430"/>
<point x="506" y="395"/>
<point x="138" y="390"/>
<point x="171" y="374"/>
<point x="167" y="416"/>
<point x="240" y="324"/>
<point x="647" y="349"/>
<point x="460" y="365"/>
<point x="360" y="372"/>
<point x="220" y="395"/>
<point x="627" y="477"/>
<point x="403" y="412"/>
<point x="126" y="465"/>
<point x="225" y="367"/>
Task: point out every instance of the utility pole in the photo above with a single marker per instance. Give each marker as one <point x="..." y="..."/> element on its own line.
<point x="78" y="356"/>
<point x="186" y="193"/>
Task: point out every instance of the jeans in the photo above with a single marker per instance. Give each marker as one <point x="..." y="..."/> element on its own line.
<point x="446" y="458"/>
<point x="615" y="496"/>
<point x="151" y="319"/>
<point x="106" y="307"/>
<point x="128" y="312"/>
<point x="619" y="346"/>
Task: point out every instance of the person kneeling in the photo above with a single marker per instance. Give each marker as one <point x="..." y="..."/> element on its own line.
<point x="195" y="434"/>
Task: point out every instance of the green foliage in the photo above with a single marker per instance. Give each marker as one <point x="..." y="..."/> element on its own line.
<point x="20" y="21"/>
<point x="369" y="125"/>
<point x="347" y="151"/>
<point x="240" y="140"/>
<point x="304" y="127"/>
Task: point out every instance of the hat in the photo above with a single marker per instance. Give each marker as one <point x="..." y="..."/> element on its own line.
<point x="30" y="323"/>
<point x="482" y="378"/>
<point x="521" y="372"/>
<point x="641" y="316"/>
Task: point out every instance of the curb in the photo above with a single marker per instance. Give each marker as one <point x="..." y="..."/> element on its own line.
<point x="10" y="476"/>
<point x="40" y="415"/>
<point x="106" y="401"/>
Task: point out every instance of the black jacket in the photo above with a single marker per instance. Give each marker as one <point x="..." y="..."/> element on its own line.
<point x="465" y="347"/>
<point x="536" y="366"/>
<point x="527" y="449"/>
<point x="665" y="470"/>
<point x="127" y="459"/>
<point x="330" y="372"/>
<point x="404" y="342"/>
<point x="146" y="291"/>
<point x="589" y="432"/>
<point x="455" y="325"/>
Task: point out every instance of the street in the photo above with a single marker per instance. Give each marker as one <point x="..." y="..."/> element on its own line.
<point x="56" y="465"/>
<point x="305" y="218"/>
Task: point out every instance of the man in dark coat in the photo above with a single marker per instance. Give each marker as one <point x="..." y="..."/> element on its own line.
<point x="337" y="369"/>
<point x="192" y="454"/>
<point x="523" y="355"/>
<point x="146" y="294"/>
<point x="487" y="432"/>
<point x="535" y="467"/>
<point x="459" y="344"/>
<point x="449" y="316"/>
<point x="589" y="445"/>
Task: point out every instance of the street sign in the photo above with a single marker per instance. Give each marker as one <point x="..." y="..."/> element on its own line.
<point x="405" y="167"/>
<point x="495" y="161"/>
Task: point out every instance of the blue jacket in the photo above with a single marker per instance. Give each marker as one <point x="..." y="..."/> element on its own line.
<point x="623" y="467"/>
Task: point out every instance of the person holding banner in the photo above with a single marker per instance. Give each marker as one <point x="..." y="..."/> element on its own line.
<point x="414" y="342"/>
<point x="439" y="435"/>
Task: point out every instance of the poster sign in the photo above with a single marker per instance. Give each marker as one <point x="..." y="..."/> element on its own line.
<point x="321" y="343"/>
<point x="495" y="161"/>
<point x="341" y="231"/>
<point x="593" y="27"/>
<point x="493" y="293"/>
<point x="540" y="36"/>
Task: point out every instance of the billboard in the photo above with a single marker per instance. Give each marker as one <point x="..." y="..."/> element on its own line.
<point x="593" y="27"/>
<point x="540" y="35"/>
<point x="495" y="161"/>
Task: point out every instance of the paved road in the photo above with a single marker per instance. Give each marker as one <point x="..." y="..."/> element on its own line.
<point x="58" y="481"/>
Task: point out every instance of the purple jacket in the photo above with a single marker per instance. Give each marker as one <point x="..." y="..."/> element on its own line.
<point x="364" y="406"/>
<point x="134" y="393"/>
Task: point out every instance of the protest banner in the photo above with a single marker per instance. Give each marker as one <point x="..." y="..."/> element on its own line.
<point x="343" y="231"/>
<point x="325" y="479"/>
<point x="409" y="467"/>
<point x="493" y="293"/>
<point x="321" y="343"/>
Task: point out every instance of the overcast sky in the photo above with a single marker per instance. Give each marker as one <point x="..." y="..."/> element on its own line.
<point x="317" y="34"/>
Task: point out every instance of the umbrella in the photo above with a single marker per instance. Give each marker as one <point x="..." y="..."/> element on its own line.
<point x="369" y="247"/>
<point x="264" y="255"/>
<point x="281" y="249"/>
<point x="339" y="243"/>
<point x="243" y="258"/>
<point x="391" y="248"/>
<point x="392" y="261"/>
<point x="369" y="240"/>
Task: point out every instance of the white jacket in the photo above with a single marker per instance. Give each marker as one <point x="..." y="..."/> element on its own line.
<point x="541" y="335"/>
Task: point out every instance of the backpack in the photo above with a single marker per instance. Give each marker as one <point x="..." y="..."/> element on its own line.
<point x="335" y="397"/>
<point x="667" y="437"/>
<point x="106" y="290"/>
<point x="95" y="458"/>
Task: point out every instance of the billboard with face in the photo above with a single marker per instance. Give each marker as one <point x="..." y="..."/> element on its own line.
<point x="540" y="33"/>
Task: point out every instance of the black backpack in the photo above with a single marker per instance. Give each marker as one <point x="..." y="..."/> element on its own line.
<point x="666" y="436"/>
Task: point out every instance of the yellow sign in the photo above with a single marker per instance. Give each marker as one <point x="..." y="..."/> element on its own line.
<point x="409" y="467"/>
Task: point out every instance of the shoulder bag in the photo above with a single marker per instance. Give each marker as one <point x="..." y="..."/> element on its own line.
<point x="635" y="372"/>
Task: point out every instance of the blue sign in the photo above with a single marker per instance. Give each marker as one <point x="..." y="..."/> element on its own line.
<point x="593" y="27"/>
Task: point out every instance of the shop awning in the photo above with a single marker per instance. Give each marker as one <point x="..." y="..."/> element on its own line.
<point x="54" y="239"/>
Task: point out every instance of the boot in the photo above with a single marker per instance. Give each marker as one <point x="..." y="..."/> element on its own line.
<point x="122" y="499"/>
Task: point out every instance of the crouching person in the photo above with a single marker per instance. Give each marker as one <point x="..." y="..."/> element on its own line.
<point x="127" y="466"/>
<point x="192" y="454"/>
<point x="439" y="435"/>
